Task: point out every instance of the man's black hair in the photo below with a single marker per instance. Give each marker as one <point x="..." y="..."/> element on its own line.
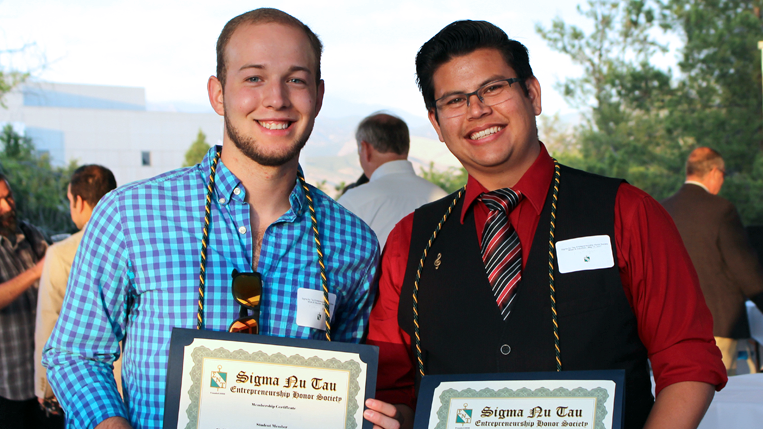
<point x="462" y="38"/>
<point x="91" y="182"/>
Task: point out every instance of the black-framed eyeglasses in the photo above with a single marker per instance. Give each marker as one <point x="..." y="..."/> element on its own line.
<point x="247" y="291"/>
<point x="490" y="94"/>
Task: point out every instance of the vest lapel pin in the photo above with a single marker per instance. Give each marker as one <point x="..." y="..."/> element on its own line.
<point x="438" y="261"/>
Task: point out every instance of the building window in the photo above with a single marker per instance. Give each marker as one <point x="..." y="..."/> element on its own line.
<point x="145" y="158"/>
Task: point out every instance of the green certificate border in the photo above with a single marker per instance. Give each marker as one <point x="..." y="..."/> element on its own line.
<point x="427" y="401"/>
<point x="298" y="349"/>
<point x="199" y="353"/>
<point x="600" y="394"/>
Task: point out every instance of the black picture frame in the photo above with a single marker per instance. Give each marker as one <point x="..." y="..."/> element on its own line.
<point x="430" y="382"/>
<point x="184" y="337"/>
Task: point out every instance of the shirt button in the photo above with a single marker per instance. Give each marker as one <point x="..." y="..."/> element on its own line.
<point x="236" y="191"/>
<point x="242" y="230"/>
<point x="221" y="200"/>
<point x="505" y="349"/>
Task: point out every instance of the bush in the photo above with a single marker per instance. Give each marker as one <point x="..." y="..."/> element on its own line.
<point x="39" y="189"/>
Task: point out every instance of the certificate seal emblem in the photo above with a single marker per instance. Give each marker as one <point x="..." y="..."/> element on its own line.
<point x="464" y="415"/>
<point x="219" y="379"/>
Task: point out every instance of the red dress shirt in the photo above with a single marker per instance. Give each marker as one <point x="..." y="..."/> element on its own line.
<point x="658" y="278"/>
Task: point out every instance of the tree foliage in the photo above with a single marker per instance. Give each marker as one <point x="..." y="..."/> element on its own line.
<point x="11" y="76"/>
<point x="559" y="137"/>
<point x="39" y="189"/>
<point x="621" y="95"/>
<point x="323" y="186"/>
<point x="197" y="150"/>
<point x="620" y="41"/>
<point x="449" y="180"/>
<point x="720" y="93"/>
<point x="8" y="80"/>
<point x="641" y="121"/>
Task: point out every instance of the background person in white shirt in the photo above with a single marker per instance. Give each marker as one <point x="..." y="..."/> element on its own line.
<point x="394" y="190"/>
<point x="89" y="183"/>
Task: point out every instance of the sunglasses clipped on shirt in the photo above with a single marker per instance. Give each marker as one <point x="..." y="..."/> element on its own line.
<point x="247" y="291"/>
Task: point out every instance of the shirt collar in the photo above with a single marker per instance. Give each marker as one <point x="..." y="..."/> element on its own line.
<point x="297" y="199"/>
<point x="533" y="185"/>
<point x="228" y="186"/>
<point x="392" y="167"/>
<point x="19" y="237"/>
<point x="692" y="182"/>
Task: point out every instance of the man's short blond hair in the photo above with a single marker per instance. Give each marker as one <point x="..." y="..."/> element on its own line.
<point x="265" y="16"/>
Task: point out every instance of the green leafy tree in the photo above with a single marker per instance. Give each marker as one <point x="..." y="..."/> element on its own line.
<point x="641" y="122"/>
<point x="11" y="77"/>
<point x="621" y="96"/>
<point x="719" y="102"/>
<point x="39" y="189"/>
<point x="197" y="150"/>
<point x="322" y="185"/>
<point x="449" y="180"/>
<point x="558" y="137"/>
<point x="620" y="43"/>
<point x="16" y="146"/>
<point x="339" y="188"/>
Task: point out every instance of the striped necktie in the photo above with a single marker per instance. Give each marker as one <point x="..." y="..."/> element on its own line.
<point x="501" y="250"/>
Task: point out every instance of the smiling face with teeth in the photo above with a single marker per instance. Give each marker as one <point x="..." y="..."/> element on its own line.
<point x="495" y="144"/>
<point x="271" y="97"/>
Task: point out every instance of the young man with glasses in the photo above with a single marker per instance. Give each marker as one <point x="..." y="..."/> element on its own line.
<point x="484" y="299"/>
<point x="246" y="207"/>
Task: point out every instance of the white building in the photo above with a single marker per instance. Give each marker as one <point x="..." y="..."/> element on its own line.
<point x="105" y="125"/>
<point x="113" y="126"/>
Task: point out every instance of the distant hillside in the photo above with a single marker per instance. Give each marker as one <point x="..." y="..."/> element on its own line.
<point x="345" y="167"/>
<point x="331" y="154"/>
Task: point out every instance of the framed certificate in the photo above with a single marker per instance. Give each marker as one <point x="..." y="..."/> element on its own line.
<point x="219" y="380"/>
<point x="568" y="399"/>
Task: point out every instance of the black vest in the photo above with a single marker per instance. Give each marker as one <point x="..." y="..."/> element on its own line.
<point x="460" y="324"/>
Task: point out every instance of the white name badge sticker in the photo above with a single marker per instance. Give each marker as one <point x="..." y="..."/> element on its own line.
<point x="584" y="253"/>
<point x="310" y="312"/>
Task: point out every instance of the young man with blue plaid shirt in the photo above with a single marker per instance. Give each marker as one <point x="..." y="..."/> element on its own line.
<point x="136" y="275"/>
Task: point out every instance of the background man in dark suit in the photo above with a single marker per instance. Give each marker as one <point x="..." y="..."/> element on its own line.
<point x="728" y="269"/>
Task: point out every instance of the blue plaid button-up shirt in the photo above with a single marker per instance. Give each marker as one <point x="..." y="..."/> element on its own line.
<point x="135" y="277"/>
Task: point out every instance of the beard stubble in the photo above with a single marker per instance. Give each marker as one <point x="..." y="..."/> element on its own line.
<point x="249" y="147"/>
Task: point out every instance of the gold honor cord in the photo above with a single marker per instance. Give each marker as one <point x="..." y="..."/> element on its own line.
<point x="418" y="277"/>
<point x="551" y="246"/>
<point x="417" y="280"/>
<point x="205" y="242"/>
<point x="324" y="281"/>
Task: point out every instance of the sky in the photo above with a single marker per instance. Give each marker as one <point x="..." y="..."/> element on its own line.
<point x="168" y="47"/>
